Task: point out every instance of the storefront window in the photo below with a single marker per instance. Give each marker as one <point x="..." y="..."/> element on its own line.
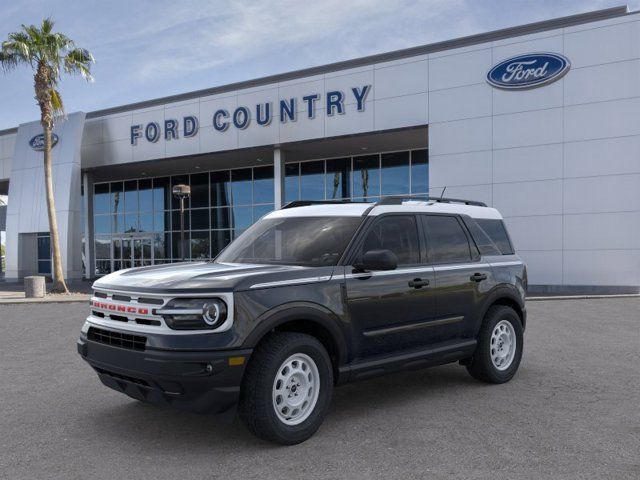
<point x="395" y="173"/>
<point x="137" y="222"/>
<point x="312" y="180"/>
<point x="366" y="177"/>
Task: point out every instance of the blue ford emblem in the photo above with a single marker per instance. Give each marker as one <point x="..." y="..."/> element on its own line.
<point x="528" y="71"/>
<point x="37" y="142"/>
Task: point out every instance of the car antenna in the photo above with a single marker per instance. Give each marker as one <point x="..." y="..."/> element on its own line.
<point x="442" y="194"/>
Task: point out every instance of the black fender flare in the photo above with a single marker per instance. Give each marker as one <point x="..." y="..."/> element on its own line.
<point x="498" y="293"/>
<point x="295" y="311"/>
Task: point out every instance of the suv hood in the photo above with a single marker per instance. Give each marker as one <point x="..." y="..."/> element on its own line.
<point x="194" y="277"/>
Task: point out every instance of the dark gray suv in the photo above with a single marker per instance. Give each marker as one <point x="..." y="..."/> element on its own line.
<point x="313" y="296"/>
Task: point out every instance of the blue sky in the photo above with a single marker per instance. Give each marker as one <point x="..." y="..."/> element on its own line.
<point x="148" y="49"/>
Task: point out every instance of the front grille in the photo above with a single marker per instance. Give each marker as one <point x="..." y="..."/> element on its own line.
<point x="117" y="339"/>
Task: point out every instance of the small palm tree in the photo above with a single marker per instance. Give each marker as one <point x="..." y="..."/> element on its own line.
<point x="48" y="54"/>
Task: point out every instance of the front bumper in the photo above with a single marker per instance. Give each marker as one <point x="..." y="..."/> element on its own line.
<point x="201" y="381"/>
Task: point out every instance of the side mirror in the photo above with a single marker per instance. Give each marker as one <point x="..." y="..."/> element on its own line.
<point x="378" y="260"/>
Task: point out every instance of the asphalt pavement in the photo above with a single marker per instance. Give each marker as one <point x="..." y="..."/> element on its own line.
<point x="571" y="412"/>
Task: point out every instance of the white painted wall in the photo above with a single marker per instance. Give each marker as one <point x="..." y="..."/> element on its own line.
<point x="562" y="162"/>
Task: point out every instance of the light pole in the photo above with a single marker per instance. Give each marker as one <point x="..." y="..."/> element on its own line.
<point x="181" y="192"/>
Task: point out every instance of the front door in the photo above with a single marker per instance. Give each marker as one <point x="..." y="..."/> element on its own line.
<point x="131" y="251"/>
<point x="390" y="310"/>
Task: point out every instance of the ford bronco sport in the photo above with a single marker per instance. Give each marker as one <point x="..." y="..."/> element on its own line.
<point x="309" y="297"/>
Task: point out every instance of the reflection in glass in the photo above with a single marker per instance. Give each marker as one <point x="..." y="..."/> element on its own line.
<point x="220" y="189"/>
<point x="312" y="180"/>
<point x="200" y="219"/>
<point x="161" y="221"/>
<point x="366" y="176"/>
<point x="200" y="190"/>
<point x="241" y="186"/>
<point x="116" y="197"/>
<point x="263" y="185"/>
<point x="219" y="240"/>
<point x="161" y="193"/>
<point x="131" y="196"/>
<point x="175" y="220"/>
<point x="242" y="217"/>
<point x="146" y="222"/>
<point x="199" y="245"/>
<point x="131" y="222"/>
<point x="338" y="179"/>
<point x="117" y="223"/>
<point x="220" y="218"/>
<point x="102" y="224"/>
<point x="160" y="240"/>
<point x="260" y="210"/>
<point x="103" y="249"/>
<point x="420" y="171"/>
<point x="145" y="195"/>
<point x="291" y="182"/>
<point x="101" y="198"/>
<point x="395" y="173"/>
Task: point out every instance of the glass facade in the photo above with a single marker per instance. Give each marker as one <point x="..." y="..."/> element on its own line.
<point x="137" y="222"/>
<point x="362" y="178"/>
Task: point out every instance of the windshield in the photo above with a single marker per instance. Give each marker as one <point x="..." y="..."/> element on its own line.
<point x="304" y="241"/>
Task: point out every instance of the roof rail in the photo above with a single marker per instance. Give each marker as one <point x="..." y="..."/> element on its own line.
<point x="306" y="203"/>
<point x="399" y="199"/>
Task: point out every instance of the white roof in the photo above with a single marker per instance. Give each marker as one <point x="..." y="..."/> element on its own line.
<point x="357" y="209"/>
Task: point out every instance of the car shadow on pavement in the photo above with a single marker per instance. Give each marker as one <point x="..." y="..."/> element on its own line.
<point x="159" y="427"/>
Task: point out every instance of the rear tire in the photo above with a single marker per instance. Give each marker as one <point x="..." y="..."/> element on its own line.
<point x="499" y="351"/>
<point x="287" y="388"/>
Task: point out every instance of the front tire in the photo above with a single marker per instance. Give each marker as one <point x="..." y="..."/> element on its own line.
<point x="287" y="388"/>
<point x="499" y="349"/>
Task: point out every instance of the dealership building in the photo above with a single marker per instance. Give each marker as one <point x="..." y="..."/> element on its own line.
<point x="541" y="121"/>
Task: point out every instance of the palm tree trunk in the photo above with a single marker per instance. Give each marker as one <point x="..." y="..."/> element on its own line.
<point x="59" y="285"/>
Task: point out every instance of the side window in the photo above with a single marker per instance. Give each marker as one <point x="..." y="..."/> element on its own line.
<point x="447" y="241"/>
<point x="484" y="243"/>
<point x="397" y="233"/>
<point x="498" y="233"/>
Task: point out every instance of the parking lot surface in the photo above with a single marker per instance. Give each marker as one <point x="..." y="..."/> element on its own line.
<point x="572" y="411"/>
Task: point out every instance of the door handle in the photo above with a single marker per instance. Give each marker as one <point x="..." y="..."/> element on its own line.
<point x="478" y="277"/>
<point x="418" y="283"/>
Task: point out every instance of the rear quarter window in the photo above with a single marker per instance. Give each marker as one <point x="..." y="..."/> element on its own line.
<point x="497" y="232"/>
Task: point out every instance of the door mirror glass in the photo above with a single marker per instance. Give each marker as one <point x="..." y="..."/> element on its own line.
<point x="378" y="260"/>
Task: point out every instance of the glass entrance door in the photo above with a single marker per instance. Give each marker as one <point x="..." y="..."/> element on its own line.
<point x="132" y="251"/>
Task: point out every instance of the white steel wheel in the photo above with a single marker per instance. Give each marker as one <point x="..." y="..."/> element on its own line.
<point x="296" y="388"/>
<point x="503" y="345"/>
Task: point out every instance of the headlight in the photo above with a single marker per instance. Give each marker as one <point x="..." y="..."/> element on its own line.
<point x="194" y="313"/>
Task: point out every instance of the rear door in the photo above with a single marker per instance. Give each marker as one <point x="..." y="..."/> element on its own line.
<point x="461" y="278"/>
<point x="389" y="309"/>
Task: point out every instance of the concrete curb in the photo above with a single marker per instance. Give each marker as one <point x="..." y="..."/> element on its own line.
<point x="57" y="299"/>
<point x="582" y="297"/>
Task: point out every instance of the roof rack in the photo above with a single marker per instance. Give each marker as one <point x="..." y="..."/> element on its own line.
<point x="306" y="203"/>
<point x="399" y="199"/>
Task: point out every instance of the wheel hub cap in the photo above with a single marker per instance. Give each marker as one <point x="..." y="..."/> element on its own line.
<point x="295" y="389"/>
<point x="503" y="345"/>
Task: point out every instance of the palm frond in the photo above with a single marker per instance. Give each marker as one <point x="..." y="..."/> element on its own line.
<point x="78" y="61"/>
<point x="56" y="102"/>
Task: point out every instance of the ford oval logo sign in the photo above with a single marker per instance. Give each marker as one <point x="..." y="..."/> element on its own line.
<point x="37" y="142"/>
<point x="528" y="71"/>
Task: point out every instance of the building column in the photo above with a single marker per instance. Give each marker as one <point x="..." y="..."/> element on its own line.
<point x="87" y="208"/>
<point x="278" y="178"/>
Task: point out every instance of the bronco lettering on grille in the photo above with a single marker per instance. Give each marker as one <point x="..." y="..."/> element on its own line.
<point x="119" y="308"/>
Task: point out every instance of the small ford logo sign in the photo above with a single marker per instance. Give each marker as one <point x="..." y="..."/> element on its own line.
<point x="37" y="142"/>
<point x="528" y="71"/>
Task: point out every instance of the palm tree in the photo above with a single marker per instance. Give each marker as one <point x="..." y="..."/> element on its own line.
<point x="49" y="54"/>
